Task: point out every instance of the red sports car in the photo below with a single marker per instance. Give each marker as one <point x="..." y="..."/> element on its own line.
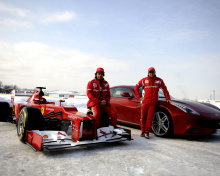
<point x="179" y="117"/>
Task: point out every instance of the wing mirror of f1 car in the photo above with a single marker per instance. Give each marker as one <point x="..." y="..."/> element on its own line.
<point x="61" y="101"/>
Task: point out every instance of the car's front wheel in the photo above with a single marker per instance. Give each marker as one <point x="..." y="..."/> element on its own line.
<point x="162" y="124"/>
<point x="30" y="118"/>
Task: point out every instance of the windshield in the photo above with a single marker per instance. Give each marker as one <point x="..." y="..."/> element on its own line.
<point x="160" y="93"/>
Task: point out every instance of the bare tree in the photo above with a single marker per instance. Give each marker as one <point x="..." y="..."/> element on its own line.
<point x="7" y="88"/>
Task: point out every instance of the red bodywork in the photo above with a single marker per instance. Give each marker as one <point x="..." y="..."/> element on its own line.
<point x="68" y="113"/>
<point x="128" y="110"/>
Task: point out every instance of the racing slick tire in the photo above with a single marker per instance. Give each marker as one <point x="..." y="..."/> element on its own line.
<point x="162" y="124"/>
<point x="4" y="111"/>
<point x="30" y="118"/>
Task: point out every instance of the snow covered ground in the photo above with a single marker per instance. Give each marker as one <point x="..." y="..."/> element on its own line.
<point x="179" y="155"/>
<point x="196" y="156"/>
<point x="78" y="101"/>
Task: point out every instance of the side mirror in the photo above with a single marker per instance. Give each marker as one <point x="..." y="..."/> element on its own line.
<point x="61" y="101"/>
<point x="125" y="94"/>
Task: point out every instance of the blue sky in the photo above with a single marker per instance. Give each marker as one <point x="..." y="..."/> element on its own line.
<point x="59" y="44"/>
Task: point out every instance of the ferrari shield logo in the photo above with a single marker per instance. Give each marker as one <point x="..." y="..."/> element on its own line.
<point x="94" y="85"/>
<point x="42" y="110"/>
<point x="146" y="81"/>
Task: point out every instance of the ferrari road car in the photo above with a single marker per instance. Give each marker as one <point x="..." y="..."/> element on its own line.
<point x="179" y="117"/>
<point x="43" y="125"/>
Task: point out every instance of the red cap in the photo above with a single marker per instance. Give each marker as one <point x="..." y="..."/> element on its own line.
<point x="151" y="69"/>
<point x="100" y="70"/>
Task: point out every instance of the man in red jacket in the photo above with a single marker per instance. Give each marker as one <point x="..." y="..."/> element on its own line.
<point x="151" y="85"/>
<point x="99" y="97"/>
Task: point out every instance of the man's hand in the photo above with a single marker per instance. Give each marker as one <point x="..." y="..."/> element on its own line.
<point x="103" y="102"/>
<point x="141" y="98"/>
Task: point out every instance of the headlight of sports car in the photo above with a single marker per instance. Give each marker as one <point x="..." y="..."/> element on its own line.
<point x="185" y="109"/>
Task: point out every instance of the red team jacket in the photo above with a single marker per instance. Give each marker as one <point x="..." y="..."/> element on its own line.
<point x="151" y="88"/>
<point x="97" y="92"/>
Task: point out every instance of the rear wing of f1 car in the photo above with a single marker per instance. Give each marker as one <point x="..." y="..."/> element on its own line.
<point x="19" y="93"/>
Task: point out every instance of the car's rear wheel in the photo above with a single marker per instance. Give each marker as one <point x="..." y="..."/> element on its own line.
<point x="162" y="124"/>
<point x="4" y="111"/>
<point x="30" y="118"/>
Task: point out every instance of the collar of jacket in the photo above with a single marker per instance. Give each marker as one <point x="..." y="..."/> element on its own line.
<point x="99" y="81"/>
<point x="152" y="79"/>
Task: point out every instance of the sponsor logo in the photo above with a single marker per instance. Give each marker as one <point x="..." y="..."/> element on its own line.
<point x="146" y="81"/>
<point x="59" y="133"/>
<point x="49" y="109"/>
<point x="100" y="70"/>
<point x="151" y="86"/>
<point x="42" y="110"/>
<point x="74" y="127"/>
<point x="102" y="132"/>
<point x="72" y="117"/>
<point x="106" y="85"/>
<point x="157" y="81"/>
<point x="94" y="85"/>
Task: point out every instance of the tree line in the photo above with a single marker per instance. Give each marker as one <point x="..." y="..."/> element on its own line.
<point x="7" y="88"/>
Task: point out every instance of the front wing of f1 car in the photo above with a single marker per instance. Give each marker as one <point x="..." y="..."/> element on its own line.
<point x="40" y="140"/>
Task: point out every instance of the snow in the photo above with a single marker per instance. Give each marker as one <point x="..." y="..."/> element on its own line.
<point x="80" y="102"/>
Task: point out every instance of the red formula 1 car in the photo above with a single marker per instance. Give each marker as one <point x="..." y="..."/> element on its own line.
<point x="42" y="124"/>
<point x="180" y="117"/>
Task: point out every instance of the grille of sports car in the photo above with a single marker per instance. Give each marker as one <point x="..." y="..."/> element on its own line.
<point x="212" y="124"/>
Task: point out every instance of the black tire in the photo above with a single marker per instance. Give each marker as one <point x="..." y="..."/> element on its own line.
<point x="162" y="124"/>
<point x="30" y="118"/>
<point x="10" y="118"/>
<point x="4" y="111"/>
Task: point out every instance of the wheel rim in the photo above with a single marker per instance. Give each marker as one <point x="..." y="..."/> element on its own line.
<point x="21" y="124"/>
<point x="160" y="124"/>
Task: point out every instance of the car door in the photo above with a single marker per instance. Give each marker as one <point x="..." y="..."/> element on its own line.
<point x="137" y="108"/>
<point x="124" y="106"/>
<point x="137" y="112"/>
